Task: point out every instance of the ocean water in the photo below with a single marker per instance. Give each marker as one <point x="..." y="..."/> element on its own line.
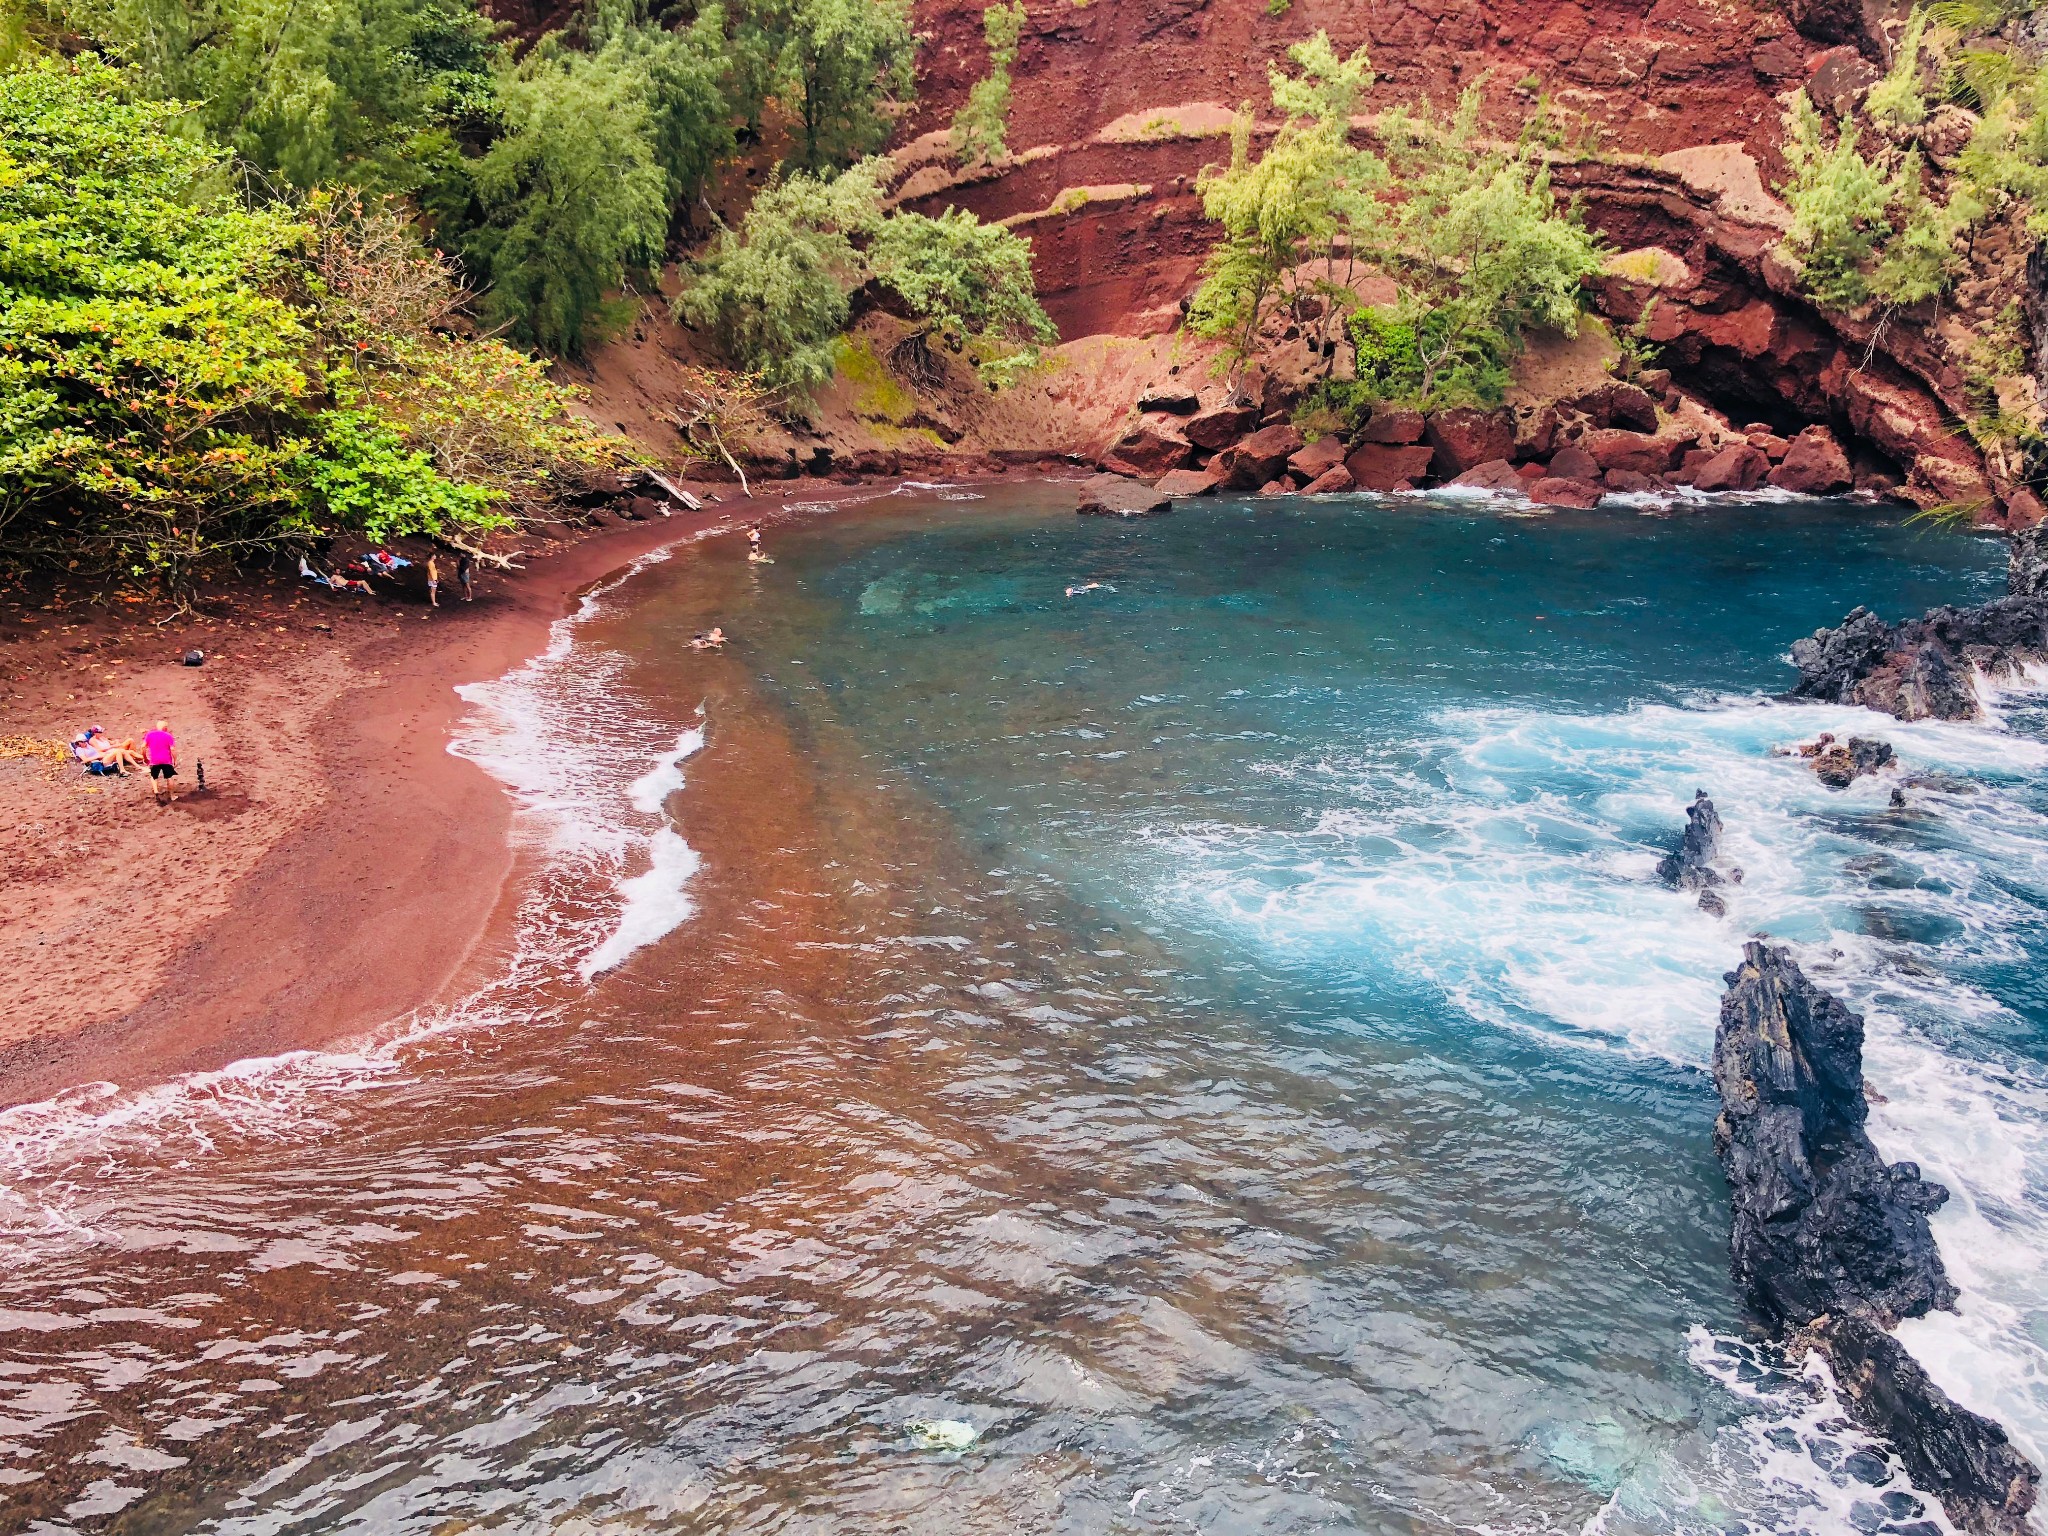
<point x="1082" y="1026"/>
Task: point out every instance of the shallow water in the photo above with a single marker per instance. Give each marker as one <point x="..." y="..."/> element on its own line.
<point x="1206" y="1051"/>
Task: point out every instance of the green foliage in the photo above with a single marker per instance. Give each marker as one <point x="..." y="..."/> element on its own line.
<point x="1278" y="8"/>
<point x="1290" y="205"/>
<point x="1896" y="100"/>
<point x="971" y="280"/>
<point x="365" y="475"/>
<point x="1478" y="246"/>
<point x="844" y="62"/>
<point x="683" y="77"/>
<point x="981" y="126"/>
<point x="309" y="90"/>
<point x="1926" y="254"/>
<point x="567" y="201"/>
<point x="145" y="344"/>
<point x="163" y="400"/>
<point x="777" y="293"/>
<point x="1838" y="201"/>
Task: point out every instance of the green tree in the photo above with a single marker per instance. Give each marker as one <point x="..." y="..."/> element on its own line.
<point x="774" y="294"/>
<point x="309" y="90"/>
<point x="971" y="281"/>
<point x="1477" y="246"/>
<point x="147" y="349"/>
<point x="843" y="62"/>
<point x="981" y="126"/>
<point x="685" y="75"/>
<point x="568" y="200"/>
<point x="1290" y="205"/>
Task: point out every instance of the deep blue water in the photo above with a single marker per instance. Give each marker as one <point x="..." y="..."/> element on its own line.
<point x="1204" y="1051"/>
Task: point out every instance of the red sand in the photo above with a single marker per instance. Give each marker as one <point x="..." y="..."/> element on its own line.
<point x="342" y="866"/>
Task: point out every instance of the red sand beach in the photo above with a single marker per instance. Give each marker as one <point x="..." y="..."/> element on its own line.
<point x="342" y="865"/>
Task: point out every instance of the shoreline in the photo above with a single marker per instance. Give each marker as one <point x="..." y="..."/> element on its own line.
<point x="293" y="908"/>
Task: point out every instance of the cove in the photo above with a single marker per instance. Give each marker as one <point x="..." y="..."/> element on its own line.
<point x="1204" y="1050"/>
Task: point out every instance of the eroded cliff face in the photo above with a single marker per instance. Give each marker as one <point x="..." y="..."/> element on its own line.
<point x="1671" y="111"/>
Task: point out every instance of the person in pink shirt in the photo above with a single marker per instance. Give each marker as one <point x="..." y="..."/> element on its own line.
<point x="160" y="751"/>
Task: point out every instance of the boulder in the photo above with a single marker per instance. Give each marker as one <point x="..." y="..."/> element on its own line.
<point x="1640" y="452"/>
<point x="1628" y="482"/>
<point x="1494" y="475"/>
<point x="1553" y="491"/>
<point x="1182" y="483"/>
<point x="1464" y="437"/>
<point x="1770" y="444"/>
<point x="1261" y="457"/>
<point x="1574" y="464"/>
<point x="1814" y="465"/>
<point x="1843" y="763"/>
<point x="1149" y="450"/>
<point x="1392" y="427"/>
<point x="1922" y="669"/>
<point x="1691" y="866"/>
<point x="1317" y="459"/>
<point x="1736" y="468"/>
<point x="1386" y="467"/>
<point x="1174" y="399"/>
<point x="1114" y="496"/>
<point x="1221" y="427"/>
<point x="1331" y="481"/>
<point x="1277" y="488"/>
<point x="1615" y="404"/>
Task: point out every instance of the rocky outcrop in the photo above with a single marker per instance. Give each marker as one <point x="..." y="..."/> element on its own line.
<point x="1114" y="496"/>
<point x="1840" y="764"/>
<point x="1830" y="1244"/>
<point x="1923" y="669"/>
<point x="1691" y="866"/>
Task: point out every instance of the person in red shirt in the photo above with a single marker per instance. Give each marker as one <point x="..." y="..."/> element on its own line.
<point x="160" y="751"/>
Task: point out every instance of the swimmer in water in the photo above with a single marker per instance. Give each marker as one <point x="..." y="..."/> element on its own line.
<point x="1090" y="586"/>
<point x="754" y="552"/>
<point x="710" y="640"/>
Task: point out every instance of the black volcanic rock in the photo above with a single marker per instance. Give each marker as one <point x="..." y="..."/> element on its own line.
<point x="1823" y="1225"/>
<point x="1843" y="764"/>
<point x="1691" y="868"/>
<point x="1921" y="670"/>
<point x="2026" y="564"/>
<point x="1962" y="1458"/>
<point x="1831" y="1244"/>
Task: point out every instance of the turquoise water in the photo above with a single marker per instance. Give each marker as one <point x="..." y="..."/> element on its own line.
<point x="1206" y="1051"/>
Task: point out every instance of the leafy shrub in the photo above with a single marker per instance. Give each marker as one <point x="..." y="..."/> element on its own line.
<point x="776" y="293"/>
<point x="1838" y="201"/>
<point x="146" y="346"/>
<point x="367" y="478"/>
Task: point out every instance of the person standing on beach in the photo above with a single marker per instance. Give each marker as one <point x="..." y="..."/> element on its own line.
<point x="465" y="575"/>
<point x="433" y="583"/>
<point x="160" y="750"/>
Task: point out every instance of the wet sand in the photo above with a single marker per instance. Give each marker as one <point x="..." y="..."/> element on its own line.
<point x="342" y="867"/>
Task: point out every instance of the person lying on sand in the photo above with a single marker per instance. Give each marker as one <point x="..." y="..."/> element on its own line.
<point x="710" y="640"/>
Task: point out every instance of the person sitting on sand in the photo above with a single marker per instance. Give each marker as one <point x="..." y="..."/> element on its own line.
<point x="100" y="753"/>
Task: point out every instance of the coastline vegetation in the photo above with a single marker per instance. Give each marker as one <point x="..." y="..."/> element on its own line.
<point x="269" y="275"/>
<point x="1466" y="228"/>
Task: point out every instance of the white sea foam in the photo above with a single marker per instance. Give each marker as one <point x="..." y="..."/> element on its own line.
<point x="1512" y="873"/>
<point x="588" y="812"/>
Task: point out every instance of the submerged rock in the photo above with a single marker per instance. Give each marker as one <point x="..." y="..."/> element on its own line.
<point x="1830" y="1243"/>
